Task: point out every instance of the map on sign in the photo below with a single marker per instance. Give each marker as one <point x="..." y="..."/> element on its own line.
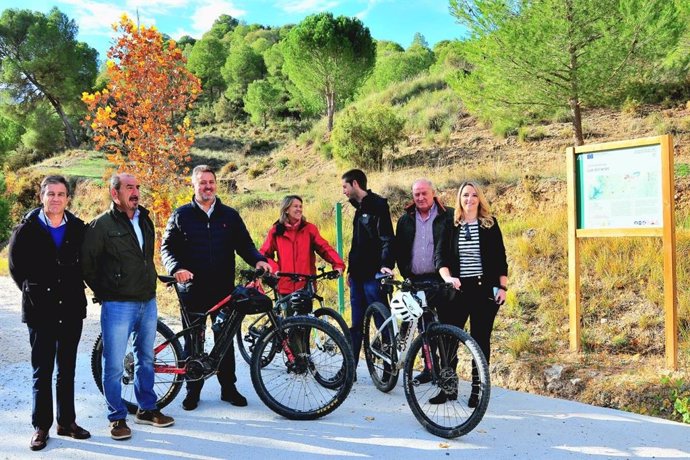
<point x="620" y="188"/>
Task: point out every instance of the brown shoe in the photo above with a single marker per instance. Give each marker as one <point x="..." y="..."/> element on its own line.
<point x="74" y="431"/>
<point x="153" y="417"/>
<point x="39" y="439"/>
<point x="119" y="430"/>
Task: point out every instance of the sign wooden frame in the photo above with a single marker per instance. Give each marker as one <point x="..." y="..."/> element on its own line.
<point x="667" y="231"/>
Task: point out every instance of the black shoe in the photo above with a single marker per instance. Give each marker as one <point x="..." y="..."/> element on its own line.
<point x="442" y="397"/>
<point x="74" y="431"/>
<point x="422" y="377"/>
<point x="191" y="401"/>
<point x="39" y="439"/>
<point x="233" y="396"/>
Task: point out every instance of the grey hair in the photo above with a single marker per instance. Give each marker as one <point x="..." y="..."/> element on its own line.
<point x="199" y="170"/>
<point x="424" y="180"/>
<point x="116" y="180"/>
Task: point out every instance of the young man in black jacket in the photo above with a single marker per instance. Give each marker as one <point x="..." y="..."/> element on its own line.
<point x="44" y="263"/>
<point x="371" y="250"/>
<point x="198" y="249"/>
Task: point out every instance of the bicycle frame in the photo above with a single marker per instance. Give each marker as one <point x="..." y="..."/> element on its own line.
<point x="222" y="343"/>
<point x="419" y="323"/>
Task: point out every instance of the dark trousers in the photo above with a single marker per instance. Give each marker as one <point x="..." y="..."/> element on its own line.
<point x="226" y="368"/>
<point x="54" y="343"/>
<point x="475" y="302"/>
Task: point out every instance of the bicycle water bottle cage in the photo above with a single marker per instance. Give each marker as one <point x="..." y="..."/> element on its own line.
<point x="405" y="306"/>
<point x="250" y="301"/>
<point x="301" y="302"/>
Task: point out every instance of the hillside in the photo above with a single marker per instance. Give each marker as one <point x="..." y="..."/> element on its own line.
<point x="524" y="179"/>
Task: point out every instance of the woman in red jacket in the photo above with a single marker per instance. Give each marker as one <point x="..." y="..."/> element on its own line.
<point x="292" y="244"/>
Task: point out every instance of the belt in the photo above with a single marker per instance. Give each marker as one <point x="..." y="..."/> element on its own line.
<point x="471" y="279"/>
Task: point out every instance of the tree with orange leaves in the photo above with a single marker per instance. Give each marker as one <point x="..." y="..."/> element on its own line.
<point x="139" y="118"/>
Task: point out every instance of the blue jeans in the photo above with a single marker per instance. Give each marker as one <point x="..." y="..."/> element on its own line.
<point x="362" y="294"/>
<point x="119" y="320"/>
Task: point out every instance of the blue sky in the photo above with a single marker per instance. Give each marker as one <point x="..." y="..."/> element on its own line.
<point x="395" y="20"/>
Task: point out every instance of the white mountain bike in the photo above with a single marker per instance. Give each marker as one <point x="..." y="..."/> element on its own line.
<point x="445" y="374"/>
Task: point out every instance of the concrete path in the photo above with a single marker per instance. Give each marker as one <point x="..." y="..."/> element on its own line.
<point x="369" y="424"/>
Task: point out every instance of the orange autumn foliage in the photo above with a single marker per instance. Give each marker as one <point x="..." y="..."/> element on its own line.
<point x="140" y="118"/>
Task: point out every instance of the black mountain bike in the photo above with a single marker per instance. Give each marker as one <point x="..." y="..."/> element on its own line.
<point x="292" y="374"/>
<point x="442" y="367"/>
<point x="299" y="302"/>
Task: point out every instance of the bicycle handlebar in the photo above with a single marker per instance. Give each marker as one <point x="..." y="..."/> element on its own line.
<point x="331" y="275"/>
<point x="409" y="285"/>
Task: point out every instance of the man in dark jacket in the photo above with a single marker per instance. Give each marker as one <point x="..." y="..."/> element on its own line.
<point x="371" y="251"/>
<point x="44" y="263"/>
<point x="117" y="262"/>
<point x="417" y="234"/>
<point x="198" y="249"/>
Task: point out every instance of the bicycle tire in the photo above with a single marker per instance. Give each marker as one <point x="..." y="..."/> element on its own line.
<point x="248" y="334"/>
<point x="166" y="386"/>
<point x="334" y="318"/>
<point x="292" y="389"/>
<point x="380" y="351"/>
<point x="454" y="417"/>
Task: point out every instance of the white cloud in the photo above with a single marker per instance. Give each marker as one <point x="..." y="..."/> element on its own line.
<point x="96" y="18"/>
<point x="365" y="12"/>
<point x="208" y="11"/>
<point x="304" y="6"/>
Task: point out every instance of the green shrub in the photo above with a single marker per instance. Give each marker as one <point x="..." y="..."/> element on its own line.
<point x="283" y="162"/>
<point x="204" y="115"/>
<point x="360" y="135"/>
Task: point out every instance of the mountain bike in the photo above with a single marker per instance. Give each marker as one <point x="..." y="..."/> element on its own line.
<point x="299" y="302"/>
<point x="445" y="374"/>
<point x="292" y="374"/>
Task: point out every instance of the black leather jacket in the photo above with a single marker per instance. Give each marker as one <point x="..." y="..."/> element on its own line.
<point x="50" y="278"/>
<point x="372" y="237"/>
<point x="206" y="247"/>
<point x="491" y="248"/>
<point x="405" y="232"/>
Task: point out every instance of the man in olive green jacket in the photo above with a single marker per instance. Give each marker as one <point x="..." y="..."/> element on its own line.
<point x="117" y="263"/>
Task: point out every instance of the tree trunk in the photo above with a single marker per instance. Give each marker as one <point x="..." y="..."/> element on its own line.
<point x="330" y="109"/>
<point x="69" y="132"/>
<point x="574" y="100"/>
<point x="577" y="121"/>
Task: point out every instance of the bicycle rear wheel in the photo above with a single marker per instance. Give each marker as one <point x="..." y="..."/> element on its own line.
<point x="312" y="384"/>
<point x="334" y="318"/>
<point x="166" y="386"/>
<point x="442" y="404"/>
<point x="249" y="332"/>
<point x="379" y="347"/>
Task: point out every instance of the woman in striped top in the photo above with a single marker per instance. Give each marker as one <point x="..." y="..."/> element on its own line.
<point x="472" y="257"/>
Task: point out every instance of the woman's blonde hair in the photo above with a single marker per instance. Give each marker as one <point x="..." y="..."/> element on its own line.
<point x="484" y="216"/>
<point x="285" y="205"/>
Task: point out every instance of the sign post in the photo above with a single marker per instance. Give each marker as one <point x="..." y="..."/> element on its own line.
<point x="623" y="189"/>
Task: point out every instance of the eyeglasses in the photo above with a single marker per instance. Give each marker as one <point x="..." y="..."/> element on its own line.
<point x="468" y="235"/>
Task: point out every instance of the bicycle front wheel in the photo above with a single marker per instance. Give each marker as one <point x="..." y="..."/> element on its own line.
<point x="379" y="347"/>
<point x="301" y="380"/>
<point x="454" y="399"/>
<point x="166" y="386"/>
